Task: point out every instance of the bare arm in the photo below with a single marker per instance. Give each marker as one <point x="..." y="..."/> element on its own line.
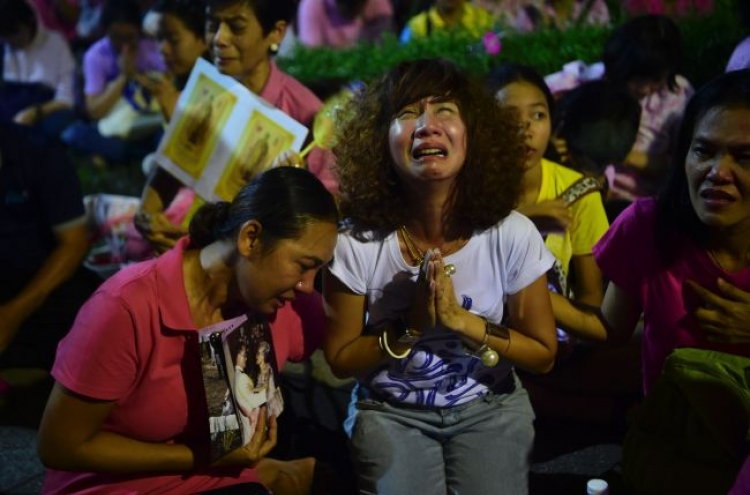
<point x="588" y="287"/>
<point x="72" y="245"/>
<point x="614" y="322"/>
<point x="159" y="191"/>
<point x="348" y="352"/>
<point x="71" y="439"/>
<point x="162" y="87"/>
<point x="530" y="342"/>
<point x="100" y="104"/>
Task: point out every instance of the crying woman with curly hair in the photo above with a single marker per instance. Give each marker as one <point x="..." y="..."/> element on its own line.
<point x="438" y="288"/>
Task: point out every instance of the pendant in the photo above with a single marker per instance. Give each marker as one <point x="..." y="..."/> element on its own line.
<point x="449" y="269"/>
<point x="489" y="357"/>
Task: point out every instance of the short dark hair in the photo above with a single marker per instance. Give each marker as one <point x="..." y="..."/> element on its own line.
<point x="599" y="122"/>
<point x="372" y="196"/>
<point x="16" y="13"/>
<point x="268" y="12"/>
<point x="192" y="13"/>
<point x="675" y="211"/>
<point x="283" y="199"/>
<point x="648" y="47"/>
<point x="122" y="11"/>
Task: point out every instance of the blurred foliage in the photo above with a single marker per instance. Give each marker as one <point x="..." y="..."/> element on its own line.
<point x="708" y="42"/>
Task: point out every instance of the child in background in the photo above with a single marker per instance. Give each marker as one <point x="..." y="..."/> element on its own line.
<point x="571" y="226"/>
<point x="567" y="209"/>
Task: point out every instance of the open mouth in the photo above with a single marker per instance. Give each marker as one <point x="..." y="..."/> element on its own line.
<point x="424" y="152"/>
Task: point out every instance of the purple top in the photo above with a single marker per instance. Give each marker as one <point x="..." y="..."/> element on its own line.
<point x="100" y="63"/>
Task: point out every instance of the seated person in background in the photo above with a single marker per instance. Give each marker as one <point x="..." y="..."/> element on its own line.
<point x="459" y="15"/>
<point x="740" y="58"/>
<point x="597" y="124"/>
<point x="59" y="15"/>
<point x="342" y="23"/>
<point x="529" y="15"/>
<point x="110" y="67"/>
<point x="110" y="425"/>
<point x="571" y="225"/>
<point x="645" y="54"/>
<point x="180" y="33"/>
<point x="43" y="240"/>
<point x="40" y="61"/>
<point x="682" y="259"/>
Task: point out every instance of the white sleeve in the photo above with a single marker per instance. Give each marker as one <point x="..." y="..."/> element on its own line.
<point x="527" y="256"/>
<point x="350" y="263"/>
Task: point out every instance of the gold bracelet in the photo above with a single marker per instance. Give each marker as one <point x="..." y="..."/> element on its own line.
<point x="499" y="331"/>
<point x="383" y="341"/>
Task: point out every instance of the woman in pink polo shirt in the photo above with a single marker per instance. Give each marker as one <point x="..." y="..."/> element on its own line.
<point x="128" y="413"/>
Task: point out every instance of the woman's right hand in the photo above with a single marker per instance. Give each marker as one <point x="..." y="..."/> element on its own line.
<point x="422" y="315"/>
<point x="548" y="216"/>
<point x="262" y="442"/>
<point x="156" y="228"/>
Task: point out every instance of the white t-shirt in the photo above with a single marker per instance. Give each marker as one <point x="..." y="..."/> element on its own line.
<point x="440" y="372"/>
<point x="46" y="60"/>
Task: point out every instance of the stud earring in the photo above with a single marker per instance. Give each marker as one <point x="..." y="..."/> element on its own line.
<point x="274" y="48"/>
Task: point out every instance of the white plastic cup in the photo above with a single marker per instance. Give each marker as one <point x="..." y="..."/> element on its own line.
<point x="597" y="487"/>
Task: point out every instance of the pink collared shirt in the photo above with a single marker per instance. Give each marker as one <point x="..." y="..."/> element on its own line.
<point x="134" y="342"/>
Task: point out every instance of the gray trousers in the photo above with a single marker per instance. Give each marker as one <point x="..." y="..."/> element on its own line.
<point x="479" y="448"/>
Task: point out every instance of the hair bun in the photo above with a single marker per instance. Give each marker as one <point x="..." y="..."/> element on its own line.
<point x="207" y="221"/>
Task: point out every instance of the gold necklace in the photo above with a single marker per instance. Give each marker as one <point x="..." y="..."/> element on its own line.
<point x="417" y="255"/>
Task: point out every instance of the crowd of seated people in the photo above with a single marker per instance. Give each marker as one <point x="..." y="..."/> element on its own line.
<point x="495" y="278"/>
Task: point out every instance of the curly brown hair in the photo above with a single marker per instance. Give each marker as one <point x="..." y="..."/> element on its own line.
<point x="372" y="197"/>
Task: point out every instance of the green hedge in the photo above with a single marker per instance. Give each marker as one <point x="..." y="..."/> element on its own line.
<point x="708" y="43"/>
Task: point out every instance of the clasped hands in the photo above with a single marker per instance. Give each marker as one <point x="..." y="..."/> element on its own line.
<point x="435" y="300"/>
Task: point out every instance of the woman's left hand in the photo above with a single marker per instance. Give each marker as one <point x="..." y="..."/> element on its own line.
<point x="447" y="310"/>
<point x="725" y="317"/>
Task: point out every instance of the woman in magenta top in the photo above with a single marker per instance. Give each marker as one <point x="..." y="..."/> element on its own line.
<point x="682" y="259"/>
